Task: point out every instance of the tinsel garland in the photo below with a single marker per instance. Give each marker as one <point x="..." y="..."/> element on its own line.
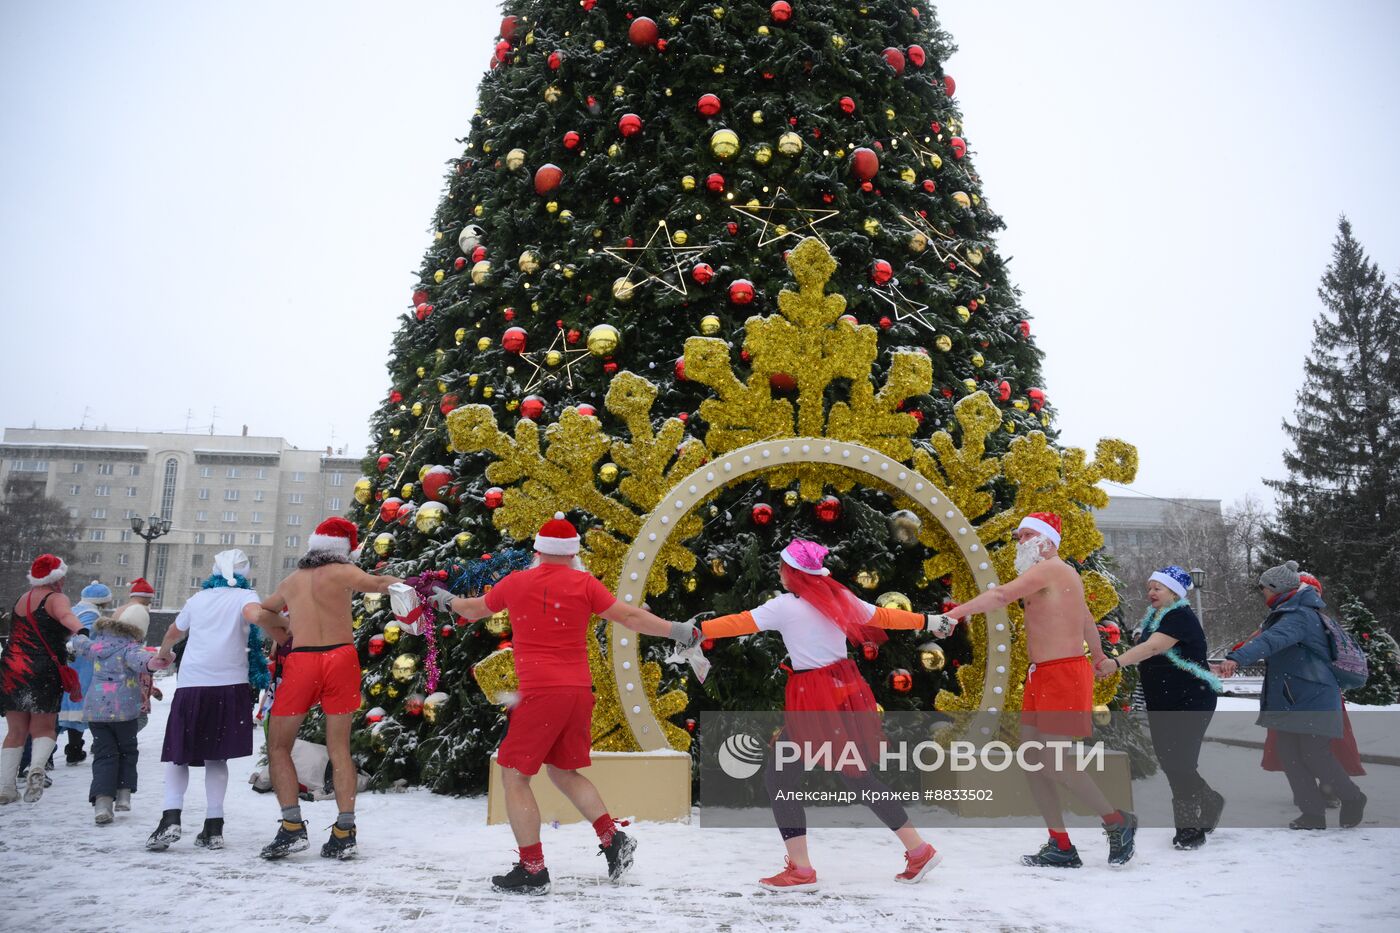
<point x="1151" y="620"/>
<point x="258" y="677"/>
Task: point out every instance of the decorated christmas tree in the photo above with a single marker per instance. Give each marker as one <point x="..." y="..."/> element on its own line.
<point x="679" y="232"/>
<point x="1382" y="655"/>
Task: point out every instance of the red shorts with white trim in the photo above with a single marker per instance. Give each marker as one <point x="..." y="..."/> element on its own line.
<point x="327" y="675"/>
<point x="549" y="727"/>
<point x="1059" y="697"/>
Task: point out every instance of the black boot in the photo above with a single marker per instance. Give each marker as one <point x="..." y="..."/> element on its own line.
<point x="520" y="881"/>
<point x="1308" y="821"/>
<point x="1352" y="811"/>
<point x="619" y="854"/>
<point x="291" y="837"/>
<point x="1212" y="805"/>
<point x="1186" y="813"/>
<point x="73" y="752"/>
<point x="341" y="844"/>
<point x="167" y="832"/>
<point x="212" y="835"/>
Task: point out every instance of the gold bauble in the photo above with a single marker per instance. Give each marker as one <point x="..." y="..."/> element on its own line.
<point x="364" y="490"/>
<point x="570" y="270"/>
<point x="963" y="313"/>
<point x="438" y="276"/>
<point x="375" y="689"/>
<point x="838" y="42"/>
<point x="552" y="94"/>
<point x="680" y="238"/>
<point x="1102" y="714"/>
<point x="603" y="340"/>
<point x="513" y="404"/>
<point x="498" y="624"/>
<point x="551" y="207"/>
<point x="421" y="372"/>
<point x="619" y="91"/>
<point x="383" y="543"/>
<point x="724" y="144"/>
<point x="441" y="385"/>
<point x="790" y="498"/>
<point x="608" y="473"/>
<point x="978" y="360"/>
<point x="962" y="200"/>
<point x="483" y="343"/>
<point x="717" y="567"/>
<point x="757" y="117"/>
<point x="974" y="256"/>
<point x="429" y="517"/>
<point x="867" y="579"/>
<point x="894" y="600"/>
<point x="918" y="243"/>
<point x="473" y="379"/>
<point x="529" y="262"/>
<point x="481" y="271"/>
<point x="763" y="30"/>
<point x="515" y="160"/>
<point x="709" y="325"/>
<point x="691" y="583"/>
<point x="488" y="392"/>
<point x="373" y="602"/>
<point x="871" y="226"/>
<point x="763" y="154"/>
<point x="417" y="409"/>
<point x="566" y="217"/>
<point x="970" y="385"/>
<point x="392" y="691"/>
<point x="459" y="335"/>
<point x="406" y="491"/>
<point x="1021" y="404"/>
<point x="908" y="175"/>
<point x="790" y="144"/>
<point x="479" y="210"/>
<point x="623" y="289"/>
<point x="433" y="706"/>
<point x="688" y="183"/>
<point x="935" y="160"/>
<point x="553" y="358"/>
<point x="392" y="631"/>
<point x="931" y="657"/>
<point x="405" y="668"/>
<point x="463" y="540"/>
<point x="943" y="342"/>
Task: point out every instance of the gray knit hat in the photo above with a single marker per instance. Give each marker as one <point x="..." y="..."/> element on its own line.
<point x="1282" y="578"/>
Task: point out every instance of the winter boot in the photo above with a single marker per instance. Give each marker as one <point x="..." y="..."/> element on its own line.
<point x="1352" y="811"/>
<point x="1212" y="805"/>
<point x="102" y="811"/>
<point x="1308" y="821"/>
<point x="73" y="752"/>
<point x="341" y="844"/>
<point x="1052" y="856"/>
<point x="619" y="854"/>
<point x="9" y="768"/>
<point x="520" y="881"/>
<point x="212" y="835"/>
<point x="1186" y="812"/>
<point x="1120" y="838"/>
<point x="167" y="831"/>
<point x="291" y="837"/>
<point x="37" y="780"/>
<point x="123" y="799"/>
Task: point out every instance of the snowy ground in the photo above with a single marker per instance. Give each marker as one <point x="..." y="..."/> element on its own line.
<point x="425" y="859"/>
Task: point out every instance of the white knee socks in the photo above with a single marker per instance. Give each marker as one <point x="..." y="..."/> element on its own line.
<point x="215" y="786"/>
<point x="177" y="781"/>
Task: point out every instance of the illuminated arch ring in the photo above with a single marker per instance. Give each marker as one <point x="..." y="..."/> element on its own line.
<point x="762" y="457"/>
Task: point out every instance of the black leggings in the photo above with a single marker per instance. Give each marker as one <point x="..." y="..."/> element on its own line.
<point x="1176" y="739"/>
<point x="791" y="815"/>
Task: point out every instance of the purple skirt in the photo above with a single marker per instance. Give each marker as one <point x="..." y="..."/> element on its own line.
<point x="209" y="724"/>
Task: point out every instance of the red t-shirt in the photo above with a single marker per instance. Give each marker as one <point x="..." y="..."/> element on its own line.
<point x="550" y="607"/>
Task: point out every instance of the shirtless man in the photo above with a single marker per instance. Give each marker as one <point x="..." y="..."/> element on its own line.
<point x="1059" y="690"/>
<point x="324" y="668"/>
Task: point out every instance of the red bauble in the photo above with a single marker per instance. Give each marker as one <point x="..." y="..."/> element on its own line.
<point x="447" y="631"/>
<point x="886" y="323"/>
<point x="413" y="706"/>
<point x="449" y="403"/>
<point x="459" y="263"/>
<point x="532" y="407"/>
<point x="374" y="715"/>
<point x="732" y="228"/>
<point x="376" y="645"/>
<point x="587" y="410"/>
<point x="950" y="86"/>
<point x="781" y="11"/>
<point x="514" y="340"/>
<point x="494" y="497"/>
<point x="930" y="186"/>
<point x="389" y="509"/>
<point x="707" y="645"/>
<point x="1024" y="329"/>
<point x="395" y="396"/>
<point x="917" y="56"/>
<point x="895" y="59"/>
<point x="630" y="125"/>
<point x="1111" y="631"/>
<point x="508" y="314"/>
<point x="573" y="336"/>
<point x="384" y="461"/>
<point x="547" y="178"/>
<point x="782" y="383"/>
<point x="478" y="254"/>
<point x="901" y="681"/>
<point x="1004" y="391"/>
<point x="848" y="106"/>
<point x="690" y="725"/>
<point x="762" y="514"/>
<point x="556" y="59"/>
<point x="864" y="163"/>
<point x="828" y="509"/>
<point x="643" y="31"/>
<point x="508" y="26"/>
<point x="741" y="292"/>
<point x="680" y="369"/>
<point x="959" y="146"/>
<point x="715" y="183"/>
<point x="503" y="48"/>
<point x="708" y="106"/>
<point x="423" y="310"/>
<point x="881" y="272"/>
<point x="1037" y="397"/>
<point x="436" y="483"/>
<point x="420" y="296"/>
<point x="702" y="273"/>
<point x="571" y="140"/>
<point x="610" y="367"/>
<point x="869" y="650"/>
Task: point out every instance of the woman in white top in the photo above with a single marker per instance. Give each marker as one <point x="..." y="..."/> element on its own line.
<point x="826" y="696"/>
<point x="211" y="715"/>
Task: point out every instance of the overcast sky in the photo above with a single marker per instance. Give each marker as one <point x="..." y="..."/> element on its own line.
<point x="219" y="207"/>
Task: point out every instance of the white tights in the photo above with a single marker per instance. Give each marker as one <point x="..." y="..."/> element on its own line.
<point x="177" y="781"/>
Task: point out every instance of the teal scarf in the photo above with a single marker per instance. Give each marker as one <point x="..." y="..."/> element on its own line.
<point x="1151" y="620"/>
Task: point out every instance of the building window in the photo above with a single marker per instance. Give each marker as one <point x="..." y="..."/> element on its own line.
<point x="120" y="581"/>
<point x="99" y="513"/>
<point x="195" y="582"/>
<point x="230" y="516"/>
<point x="77" y="468"/>
<point x="225" y="537"/>
<point x="334" y="504"/>
<point x="97" y="534"/>
<point x="293" y="540"/>
<point x="288" y="563"/>
<point x="298" y="477"/>
<point x="72" y="511"/>
<point x="296" y="498"/>
<point x="103" y="490"/>
<point x="104" y="469"/>
<point x="131" y="492"/>
<point x="126" y="535"/>
<point x="257" y="495"/>
<point x="257" y="518"/>
<point x="337" y="479"/>
<point x="293" y="520"/>
<point x="230" y="495"/>
<point x="203" y="494"/>
<point x="262" y="472"/>
<point x="29" y="466"/>
<point x="123" y="560"/>
<point x="206" y="472"/>
<point x="129" y="514"/>
<point x="135" y="470"/>
<point x="199" y="537"/>
<point x="201" y="516"/>
<point x="95" y="557"/>
<point x="233" y="472"/>
<point x="196" y="560"/>
<point x="167" y="493"/>
<point x="74" y="490"/>
<point x="255" y="538"/>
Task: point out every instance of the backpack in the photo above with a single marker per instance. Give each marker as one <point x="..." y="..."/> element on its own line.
<point x="1348" y="661"/>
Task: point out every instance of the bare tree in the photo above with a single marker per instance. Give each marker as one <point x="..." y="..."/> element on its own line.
<point x="30" y="524"/>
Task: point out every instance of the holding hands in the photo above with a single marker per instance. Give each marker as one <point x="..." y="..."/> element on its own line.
<point x="939" y="625"/>
<point x="1106" y="668"/>
<point x="1226" y="668"/>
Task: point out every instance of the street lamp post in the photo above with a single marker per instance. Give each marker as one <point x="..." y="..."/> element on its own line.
<point x="149" y="529"/>
<point x="1198" y="582"/>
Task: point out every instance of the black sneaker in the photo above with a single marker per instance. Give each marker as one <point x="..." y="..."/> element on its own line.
<point x="1351" y="812"/>
<point x="1308" y="821"/>
<point x="1052" y="856"/>
<point x="166" y="833"/>
<point x="1120" y="838"/>
<point x="212" y="835"/>
<point x="520" y="881"/>
<point x="1189" y="838"/>
<point x="340" y="845"/>
<point x="1212" y="805"/>
<point x="291" y="837"/>
<point x="619" y="854"/>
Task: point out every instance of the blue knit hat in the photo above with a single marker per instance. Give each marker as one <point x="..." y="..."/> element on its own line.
<point x="96" y="593"/>
<point x="1173" y="578"/>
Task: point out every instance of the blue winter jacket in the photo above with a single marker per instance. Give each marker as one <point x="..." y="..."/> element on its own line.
<point x="1300" y="691"/>
<point x="118" y="663"/>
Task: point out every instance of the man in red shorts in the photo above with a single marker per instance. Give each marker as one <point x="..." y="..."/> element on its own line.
<point x="1059" y="691"/>
<point x="322" y="667"/>
<point x="551" y="605"/>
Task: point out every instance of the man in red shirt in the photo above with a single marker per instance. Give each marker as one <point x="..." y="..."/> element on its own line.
<point x="551" y="605"/>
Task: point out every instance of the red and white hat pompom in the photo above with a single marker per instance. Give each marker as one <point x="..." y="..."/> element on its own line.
<point x="557" y="537"/>
<point x="47" y="569"/>
<point x="336" y="535"/>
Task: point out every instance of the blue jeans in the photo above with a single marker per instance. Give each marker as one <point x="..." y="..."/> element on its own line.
<point x="113" y="758"/>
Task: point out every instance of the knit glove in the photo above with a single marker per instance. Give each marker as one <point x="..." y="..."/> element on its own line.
<point x="442" y="599"/>
<point x="939" y="625"/>
<point x="684" y="634"/>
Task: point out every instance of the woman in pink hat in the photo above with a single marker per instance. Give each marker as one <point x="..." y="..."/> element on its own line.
<point x="826" y="696"/>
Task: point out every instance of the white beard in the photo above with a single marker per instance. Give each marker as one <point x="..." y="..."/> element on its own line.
<point x="1027" y="555"/>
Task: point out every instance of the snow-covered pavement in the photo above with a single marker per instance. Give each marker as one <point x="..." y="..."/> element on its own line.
<point x="425" y="860"/>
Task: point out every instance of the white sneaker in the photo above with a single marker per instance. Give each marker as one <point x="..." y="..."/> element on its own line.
<point x="123" y="800"/>
<point x="102" y="810"/>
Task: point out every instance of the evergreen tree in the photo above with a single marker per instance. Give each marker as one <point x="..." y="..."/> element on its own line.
<point x="30" y="524"/>
<point x="1382" y="655"/>
<point x="633" y="176"/>
<point x="1339" y="508"/>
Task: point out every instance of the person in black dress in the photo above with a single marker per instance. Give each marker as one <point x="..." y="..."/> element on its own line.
<point x="1180" y="691"/>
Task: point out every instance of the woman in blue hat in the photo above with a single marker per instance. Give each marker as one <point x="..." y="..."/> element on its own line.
<point x="95" y="597"/>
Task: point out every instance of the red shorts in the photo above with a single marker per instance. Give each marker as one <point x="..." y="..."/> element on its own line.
<point x="1059" y="697"/>
<point x="329" y="676"/>
<point x="553" y="727"/>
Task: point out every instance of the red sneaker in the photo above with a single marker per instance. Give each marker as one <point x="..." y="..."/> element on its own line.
<point x="918" y="863"/>
<point x="792" y="878"/>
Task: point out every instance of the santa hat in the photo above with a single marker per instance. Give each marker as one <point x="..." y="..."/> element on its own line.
<point x="47" y="569"/>
<point x="1042" y="523"/>
<point x="806" y="556"/>
<point x="1173" y="578"/>
<point x="230" y="564"/>
<point x="336" y="535"/>
<point x="139" y="587"/>
<point x="96" y="593"/>
<point x="557" y="537"/>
